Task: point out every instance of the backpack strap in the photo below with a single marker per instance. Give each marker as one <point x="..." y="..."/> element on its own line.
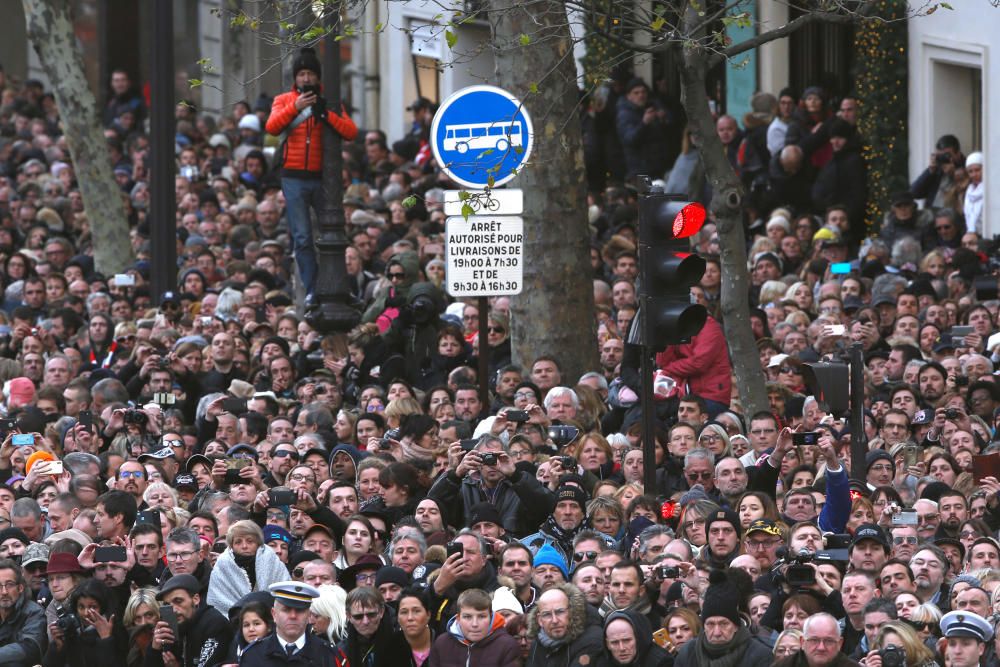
<point x="303" y="116"/>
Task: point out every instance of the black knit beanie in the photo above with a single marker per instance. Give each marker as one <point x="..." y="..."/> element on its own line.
<point x="306" y="59"/>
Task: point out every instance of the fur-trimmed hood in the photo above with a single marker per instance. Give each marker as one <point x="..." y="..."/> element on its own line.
<point x="577" y="614"/>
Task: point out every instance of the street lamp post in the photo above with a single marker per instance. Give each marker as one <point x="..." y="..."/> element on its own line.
<point x="163" y="223"/>
<point x="333" y="309"/>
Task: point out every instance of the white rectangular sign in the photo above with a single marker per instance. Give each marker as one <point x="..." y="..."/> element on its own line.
<point x="499" y="202"/>
<point x="484" y="255"/>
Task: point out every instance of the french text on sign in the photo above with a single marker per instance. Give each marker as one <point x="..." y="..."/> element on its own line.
<point x="499" y="202"/>
<point x="484" y="255"/>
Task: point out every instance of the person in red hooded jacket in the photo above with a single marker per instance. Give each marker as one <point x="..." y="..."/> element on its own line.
<point x="703" y="364"/>
<point x="299" y="115"/>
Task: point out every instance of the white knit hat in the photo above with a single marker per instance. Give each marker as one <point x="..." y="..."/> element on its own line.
<point x="505" y="600"/>
<point x="974" y="158"/>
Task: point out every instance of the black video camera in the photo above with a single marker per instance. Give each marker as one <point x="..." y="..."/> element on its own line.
<point x="799" y="574"/>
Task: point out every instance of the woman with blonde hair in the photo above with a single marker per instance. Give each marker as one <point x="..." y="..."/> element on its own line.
<point x="934" y="264"/>
<point x="715" y="439"/>
<point x="142" y="611"/>
<point x="399" y="408"/>
<point x="626" y="493"/>
<point x="798" y="319"/>
<point x="800" y="295"/>
<point x="606" y="516"/>
<point x="925" y="620"/>
<point x="902" y="636"/>
<point x="788" y="643"/>
<point x="772" y="291"/>
<point x="327" y="613"/>
<point x="160" y="493"/>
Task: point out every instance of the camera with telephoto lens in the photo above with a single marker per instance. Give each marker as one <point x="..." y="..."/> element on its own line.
<point x="893" y="656"/>
<point x="67" y="621"/>
<point x="135" y="417"/>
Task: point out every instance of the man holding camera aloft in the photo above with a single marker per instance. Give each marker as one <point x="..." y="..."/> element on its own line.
<point x="298" y="117"/>
<point x="487" y="473"/>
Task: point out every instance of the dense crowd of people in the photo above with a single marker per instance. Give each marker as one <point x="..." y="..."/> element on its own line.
<point x="200" y="478"/>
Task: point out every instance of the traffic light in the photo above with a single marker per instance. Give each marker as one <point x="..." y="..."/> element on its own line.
<point x="669" y="269"/>
<point x="829" y="384"/>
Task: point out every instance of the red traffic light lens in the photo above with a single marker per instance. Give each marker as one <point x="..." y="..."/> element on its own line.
<point x="689" y="220"/>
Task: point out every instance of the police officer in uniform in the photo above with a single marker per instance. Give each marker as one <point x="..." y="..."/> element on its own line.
<point x="966" y="641"/>
<point x="291" y="643"/>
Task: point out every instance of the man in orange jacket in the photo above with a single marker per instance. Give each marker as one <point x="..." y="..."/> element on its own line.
<point x="299" y="115"/>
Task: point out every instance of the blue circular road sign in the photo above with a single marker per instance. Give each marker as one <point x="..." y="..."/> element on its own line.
<point x="481" y="132"/>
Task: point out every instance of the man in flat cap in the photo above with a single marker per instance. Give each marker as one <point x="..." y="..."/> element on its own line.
<point x="290" y="643"/>
<point x="201" y="636"/>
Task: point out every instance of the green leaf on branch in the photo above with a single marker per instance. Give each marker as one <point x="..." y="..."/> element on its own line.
<point x="313" y="33"/>
<point x="451" y="38"/>
<point x="194" y="83"/>
<point x="518" y="149"/>
<point x="379" y="27"/>
<point x="533" y="88"/>
<point x="489" y="180"/>
<point x="467" y="210"/>
<point x="657" y="24"/>
<point x="524" y="39"/>
<point x="409" y="202"/>
<point x="947" y="5"/>
<point x="463" y="195"/>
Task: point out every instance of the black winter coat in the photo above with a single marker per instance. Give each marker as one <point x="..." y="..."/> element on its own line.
<point x="586" y="646"/>
<point x="647" y="653"/>
<point x="646" y="146"/>
<point x="522" y="501"/>
<point x="204" y="641"/>
<point x="842" y="181"/>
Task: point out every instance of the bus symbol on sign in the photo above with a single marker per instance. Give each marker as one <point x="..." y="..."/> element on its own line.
<point x="481" y="137"/>
<point x="500" y="135"/>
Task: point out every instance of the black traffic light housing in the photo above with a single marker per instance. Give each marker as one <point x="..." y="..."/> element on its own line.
<point x="669" y="269"/>
<point x="829" y="384"/>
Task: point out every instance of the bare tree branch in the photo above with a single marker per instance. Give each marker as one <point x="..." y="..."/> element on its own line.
<point x="783" y="31"/>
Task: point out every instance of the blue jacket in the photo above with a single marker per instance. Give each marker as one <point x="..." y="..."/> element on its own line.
<point x="833" y="517"/>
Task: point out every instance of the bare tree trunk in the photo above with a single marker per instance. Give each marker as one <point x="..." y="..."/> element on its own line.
<point x="726" y="205"/>
<point x="50" y="29"/>
<point x="554" y="315"/>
